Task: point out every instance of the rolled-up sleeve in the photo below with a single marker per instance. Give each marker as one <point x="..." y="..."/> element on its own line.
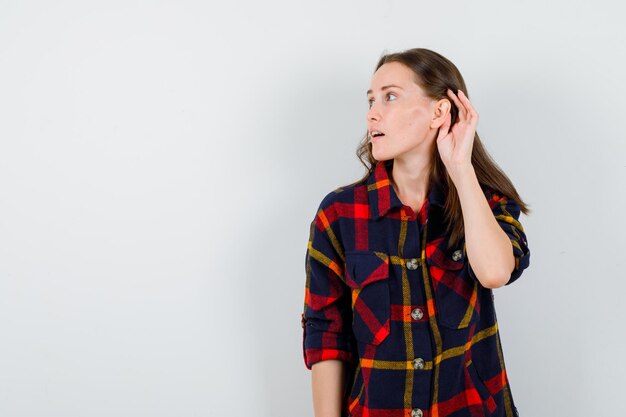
<point x="507" y="212"/>
<point x="327" y="316"/>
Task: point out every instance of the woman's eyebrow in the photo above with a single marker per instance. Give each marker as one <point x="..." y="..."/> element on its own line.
<point x="384" y="87"/>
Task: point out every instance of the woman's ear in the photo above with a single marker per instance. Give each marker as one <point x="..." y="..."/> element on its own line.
<point x="442" y="109"/>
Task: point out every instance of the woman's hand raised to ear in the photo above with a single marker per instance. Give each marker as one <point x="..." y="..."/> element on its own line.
<point x="455" y="145"/>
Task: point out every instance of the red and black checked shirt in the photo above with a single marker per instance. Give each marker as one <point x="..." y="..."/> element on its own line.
<point x="385" y="294"/>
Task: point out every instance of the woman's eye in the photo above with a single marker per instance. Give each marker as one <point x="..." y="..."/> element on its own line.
<point x="370" y="101"/>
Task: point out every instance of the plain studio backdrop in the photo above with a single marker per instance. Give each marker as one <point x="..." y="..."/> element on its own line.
<point x="160" y="164"/>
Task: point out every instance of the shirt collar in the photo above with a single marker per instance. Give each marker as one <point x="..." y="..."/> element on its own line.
<point x="382" y="196"/>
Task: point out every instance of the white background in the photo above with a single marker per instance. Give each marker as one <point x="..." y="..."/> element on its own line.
<point x="160" y="163"/>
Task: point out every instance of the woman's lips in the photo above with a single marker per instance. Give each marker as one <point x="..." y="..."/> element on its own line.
<point x="377" y="138"/>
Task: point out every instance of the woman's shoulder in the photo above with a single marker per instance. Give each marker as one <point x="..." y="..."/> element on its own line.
<point x="498" y="199"/>
<point x="491" y="193"/>
<point x="342" y="194"/>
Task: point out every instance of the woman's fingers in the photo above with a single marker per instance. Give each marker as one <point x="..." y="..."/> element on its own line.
<point x="471" y="111"/>
<point x="459" y="105"/>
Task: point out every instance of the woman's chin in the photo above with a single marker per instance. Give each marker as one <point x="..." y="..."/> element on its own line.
<point x="380" y="155"/>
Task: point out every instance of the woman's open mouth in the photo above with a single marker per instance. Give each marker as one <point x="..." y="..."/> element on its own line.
<point x="376" y="135"/>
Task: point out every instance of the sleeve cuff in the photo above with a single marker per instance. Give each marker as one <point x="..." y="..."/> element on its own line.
<point x="319" y="345"/>
<point x="522" y="260"/>
<point x="313" y="356"/>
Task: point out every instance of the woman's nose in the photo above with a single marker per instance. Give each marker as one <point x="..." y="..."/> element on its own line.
<point x="372" y="113"/>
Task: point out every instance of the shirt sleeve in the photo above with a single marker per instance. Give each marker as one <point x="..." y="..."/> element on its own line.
<point x="327" y="316"/>
<point x="507" y="212"/>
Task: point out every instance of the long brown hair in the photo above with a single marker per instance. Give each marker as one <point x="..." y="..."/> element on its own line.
<point x="435" y="74"/>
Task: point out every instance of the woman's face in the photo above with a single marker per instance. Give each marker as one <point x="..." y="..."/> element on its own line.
<point x="400" y="109"/>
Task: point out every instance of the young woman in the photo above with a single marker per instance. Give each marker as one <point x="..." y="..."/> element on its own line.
<point x="399" y="316"/>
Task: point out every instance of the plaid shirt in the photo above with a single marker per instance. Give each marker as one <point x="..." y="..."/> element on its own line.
<point x="386" y="295"/>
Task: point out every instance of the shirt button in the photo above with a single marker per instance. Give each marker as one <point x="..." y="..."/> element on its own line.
<point x="411" y="263"/>
<point x="417" y="412"/>
<point x="418" y="363"/>
<point x="417" y="314"/>
<point x="457" y="254"/>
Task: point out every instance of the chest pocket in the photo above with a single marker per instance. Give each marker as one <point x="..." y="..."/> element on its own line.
<point x="367" y="274"/>
<point x="456" y="293"/>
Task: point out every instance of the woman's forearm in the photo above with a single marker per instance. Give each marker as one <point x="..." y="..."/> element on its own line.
<point x="328" y="386"/>
<point x="489" y="249"/>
